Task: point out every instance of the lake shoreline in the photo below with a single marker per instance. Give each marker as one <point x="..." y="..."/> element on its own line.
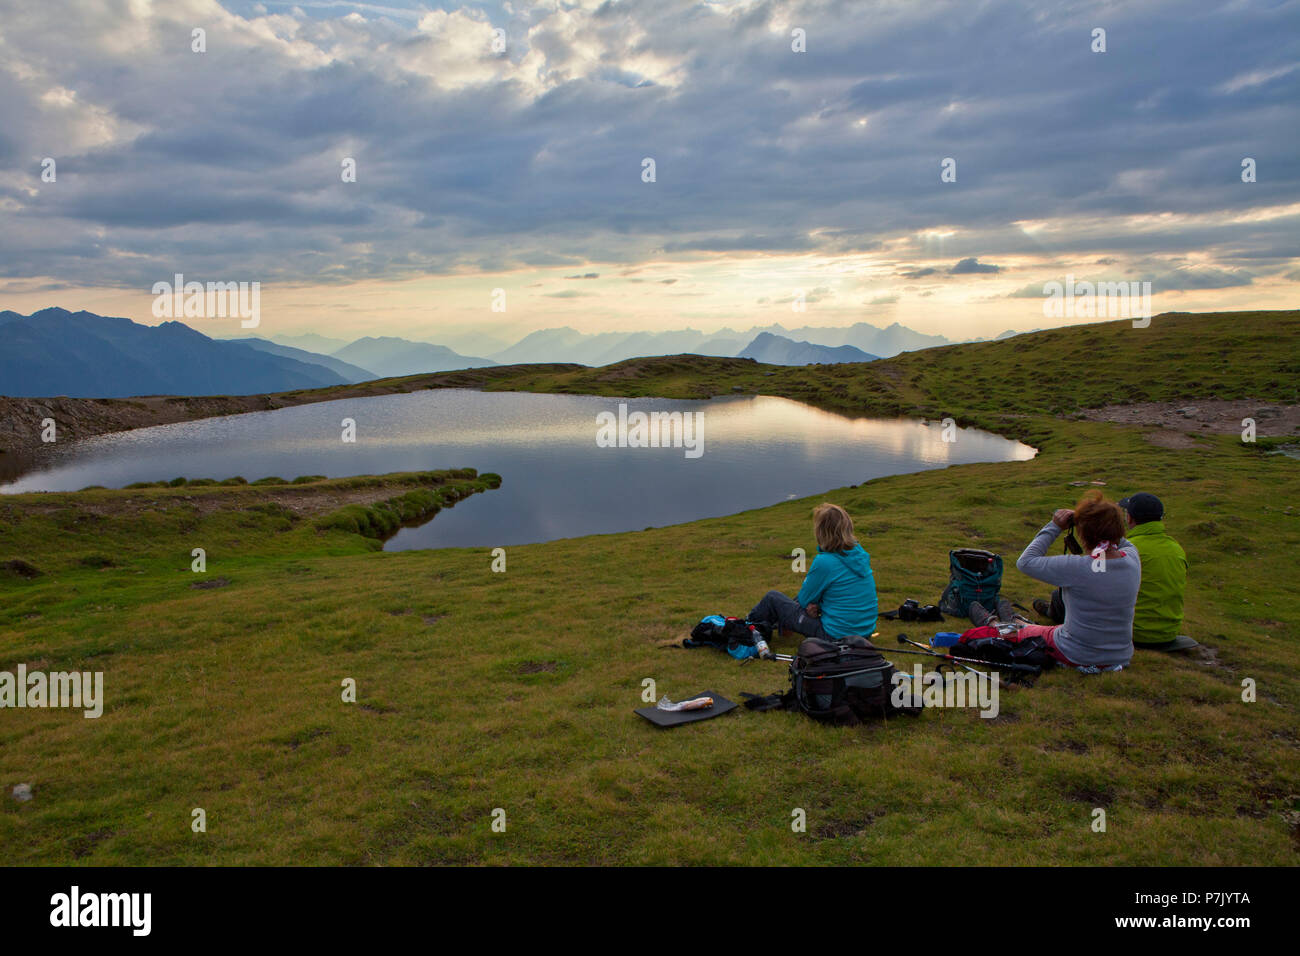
<point x="887" y="387"/>
<point x="21" y="419"/>
<point x="570" y="482"/>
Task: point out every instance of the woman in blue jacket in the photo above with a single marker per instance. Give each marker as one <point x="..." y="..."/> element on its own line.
<point x="838" y="597"/>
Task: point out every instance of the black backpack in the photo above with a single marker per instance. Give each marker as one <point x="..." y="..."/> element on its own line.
<point x="995" y="649"/>
<point x="974" y="575"/>
<point x="734" y="631"/>
<point x="842" y="682"/>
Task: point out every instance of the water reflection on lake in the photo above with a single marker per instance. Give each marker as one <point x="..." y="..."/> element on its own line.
<point x="556" y="481"/>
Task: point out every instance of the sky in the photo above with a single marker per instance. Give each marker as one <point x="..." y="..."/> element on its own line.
<point x="780" y="177"/>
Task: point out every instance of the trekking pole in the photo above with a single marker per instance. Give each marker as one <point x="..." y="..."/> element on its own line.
<point x="903" y="638"/>
<point x="1022" y="668"/>
<point x="994" y="675"/>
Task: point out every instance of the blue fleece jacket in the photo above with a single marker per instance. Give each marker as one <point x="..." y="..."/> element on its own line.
<point x="842" y="585"/>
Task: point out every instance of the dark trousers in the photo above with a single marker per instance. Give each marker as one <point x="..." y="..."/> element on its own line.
<point x="980" y="616"/>
<point x="1056" y="607"/>
<point x="783" y="612"/>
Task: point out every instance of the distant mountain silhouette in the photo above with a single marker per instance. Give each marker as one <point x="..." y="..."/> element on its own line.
<point x="83" y="355"/>
<point x="778" y="350"/>
<point x="388" y="356"/>
<point x="569" y="345"/>
<point x="546" y="345"/>
<point x="884" y="343"/>
<point x="349" y="373"/>
<point x="55" y="351"/>
<point x="311" y="342"/>
<point x="603" y="348"/>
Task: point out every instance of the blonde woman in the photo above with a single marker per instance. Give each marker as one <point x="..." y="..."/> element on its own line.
<point x="838" y="597"/>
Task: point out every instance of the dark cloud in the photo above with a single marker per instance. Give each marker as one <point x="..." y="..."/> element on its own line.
<point x="1170" y="280"/>
<point x="1186" y="279"/>
<point x="971" y="266"/>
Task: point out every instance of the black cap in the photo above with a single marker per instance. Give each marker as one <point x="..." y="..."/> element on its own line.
<point x="1143" y="507"/>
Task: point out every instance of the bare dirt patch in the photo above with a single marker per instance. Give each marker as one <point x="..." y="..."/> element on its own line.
<point x="1178" y="420"/>
<point x="537" y="667"/>
<point x="210" y="583"/>
<point x="20" y="568"/>
<point x="837" y="829"/>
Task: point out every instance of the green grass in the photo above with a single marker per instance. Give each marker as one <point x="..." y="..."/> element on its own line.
<point x="478" y="690"/>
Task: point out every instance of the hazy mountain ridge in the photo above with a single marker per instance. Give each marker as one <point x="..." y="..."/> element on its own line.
<point x="310" y="342"/>
<point x="778" y="350"/>
<point x="348" y="372"/>
<point x="57" y="352"/>
<point x="565" y="344"/>
<point x="389" y="356"/>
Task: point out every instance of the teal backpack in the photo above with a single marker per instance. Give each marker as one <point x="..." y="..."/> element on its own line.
<point x="973" y="576"/>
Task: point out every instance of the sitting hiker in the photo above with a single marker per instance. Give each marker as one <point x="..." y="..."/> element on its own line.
<point x="1159" y="611"/>
<point x="838" y="597"/>
<point x="1099" y="587"/>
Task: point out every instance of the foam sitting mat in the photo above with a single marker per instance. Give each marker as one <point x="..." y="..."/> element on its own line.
<point x="672" y="718"/>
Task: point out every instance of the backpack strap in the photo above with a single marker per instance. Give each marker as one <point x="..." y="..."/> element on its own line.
<point x="762" y="702"/>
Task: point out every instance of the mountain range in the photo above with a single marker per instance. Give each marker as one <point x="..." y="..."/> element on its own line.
<point x="349" y="373"/>
<point x="565" y="344"/>
<point x="388" y="356"/>
<point x="83" y="355"/>
<point x="778" y="350"/>
<point x="57" y="352"/>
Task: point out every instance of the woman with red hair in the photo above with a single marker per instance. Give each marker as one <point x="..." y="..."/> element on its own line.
<point x="1099" y="586"/>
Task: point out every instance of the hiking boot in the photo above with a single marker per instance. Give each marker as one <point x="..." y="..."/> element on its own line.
<point x="1181" y="643"/>
<point x="1042" y="608"/>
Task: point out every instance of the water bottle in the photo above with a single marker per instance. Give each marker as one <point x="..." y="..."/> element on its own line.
<point x="761" y="645"/>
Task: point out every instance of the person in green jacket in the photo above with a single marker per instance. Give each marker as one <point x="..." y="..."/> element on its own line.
<point x="1158" y="614"/>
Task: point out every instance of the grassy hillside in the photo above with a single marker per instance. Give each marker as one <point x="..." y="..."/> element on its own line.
<point x="479" y="690"/>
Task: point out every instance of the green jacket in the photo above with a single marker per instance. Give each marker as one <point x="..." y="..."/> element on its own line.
<point x="1159" y="611"/>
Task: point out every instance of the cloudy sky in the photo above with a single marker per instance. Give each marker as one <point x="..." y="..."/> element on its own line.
<point x="775" y="170"/>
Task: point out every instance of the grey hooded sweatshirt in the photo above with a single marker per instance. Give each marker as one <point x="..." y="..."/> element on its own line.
<point x="1099" y="598"/>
